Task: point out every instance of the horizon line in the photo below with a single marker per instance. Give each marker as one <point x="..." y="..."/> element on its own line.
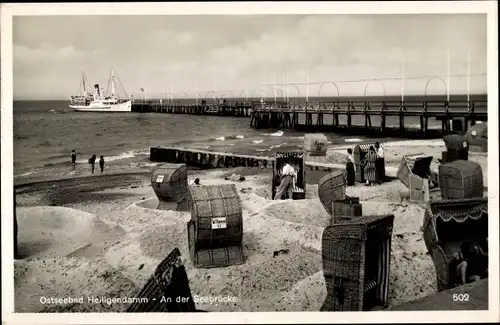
<point x="270" y="97"/>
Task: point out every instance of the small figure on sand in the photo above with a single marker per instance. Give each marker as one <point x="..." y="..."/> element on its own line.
<point x="92" y="163"/>
<point x="380" y="163"/>
<point x="288" y="178"/>
<point x="370" y="166"/>
<point x="73" y="157"/>
<point x="350" y="168"/>
<point x="101" y="163"/>
<point x="470" y="264"/>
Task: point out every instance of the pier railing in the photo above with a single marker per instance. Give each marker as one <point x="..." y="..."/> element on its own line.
<point x="222" y="108"/>
<point x="454" y="115"/>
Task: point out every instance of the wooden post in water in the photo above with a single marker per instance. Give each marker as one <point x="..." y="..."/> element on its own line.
<point x="274" y="88"/>
<point x="448" y="75"/>
<point x="468" y="77"/>
<point x="307" y="85"/>
<point x="286" y="85"/>
<point x="403" y="79"/>
<point x="196" y="94"/>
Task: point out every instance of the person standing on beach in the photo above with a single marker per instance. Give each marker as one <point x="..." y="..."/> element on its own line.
<point x="92" y="163"/>
<point x="380" y="163"/>
<point x="73" y="157"/>
<point x="370" y="166"/>
<point x="350" y="168"/>
<point x="288" y="175"/>
<point x="101" y="163"/>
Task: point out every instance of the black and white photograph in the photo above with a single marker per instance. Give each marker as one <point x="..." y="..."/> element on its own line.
<point x="250" y="157"/>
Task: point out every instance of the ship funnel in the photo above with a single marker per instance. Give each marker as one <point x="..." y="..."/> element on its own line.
<point x="96" y="87"/>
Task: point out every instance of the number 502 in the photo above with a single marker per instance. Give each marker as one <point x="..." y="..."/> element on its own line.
<point x="460" y="297"/>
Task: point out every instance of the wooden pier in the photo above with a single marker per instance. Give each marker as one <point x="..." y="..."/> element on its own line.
<point x="454" y="115"/>
<point x="221" y="108"/>
<point x="283" y="115"/>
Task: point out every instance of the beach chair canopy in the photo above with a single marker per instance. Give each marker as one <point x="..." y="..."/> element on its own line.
<point x="421" y="166"/>
<point x="447" y="224"/>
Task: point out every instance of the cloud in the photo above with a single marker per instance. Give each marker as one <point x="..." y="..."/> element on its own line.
<point x="46" y="53"/>
<point x="243" y="51"/>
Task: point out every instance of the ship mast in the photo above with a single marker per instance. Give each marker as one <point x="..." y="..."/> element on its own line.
<point x="83" y="82"/>
<point x="112" y="83"/>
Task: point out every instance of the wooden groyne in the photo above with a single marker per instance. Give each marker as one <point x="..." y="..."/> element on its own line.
<point x="454" y="115"/>
<point x="210" y="159"/>
<point x="223" y="108"/>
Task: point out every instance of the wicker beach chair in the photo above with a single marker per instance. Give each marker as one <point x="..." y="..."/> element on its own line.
<point x="167" y="290"/>
<point x="461" y="179"/>
<point x="356" y="263"/>
<point x="415" y="173"/>
<point x="169" y="181"/>
<point x="345" y="210"/>
<point x="332" y="187"/>
<point x="477" y="137"/>
<point x="447" y="223"/>
<point x="332" y="195"/>
<point x="360" y="151"/>
<point x="215" y="231"/>
<point x="457" y="148"/>
<point x="315" y="144"/>
<point x="292" y="157"/>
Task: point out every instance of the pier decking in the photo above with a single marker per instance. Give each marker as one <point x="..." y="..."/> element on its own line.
<point x="345" y="115"/>
<point x="233" y="108"/>
<point x="285" y="116"/>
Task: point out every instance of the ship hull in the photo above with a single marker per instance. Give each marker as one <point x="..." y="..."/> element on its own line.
<point x="121" y="107"/>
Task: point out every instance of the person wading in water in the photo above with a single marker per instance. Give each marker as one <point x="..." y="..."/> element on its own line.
<point x="101" y="164"/>
<point x="92" y="163"/>
<point x="288" y="175"/>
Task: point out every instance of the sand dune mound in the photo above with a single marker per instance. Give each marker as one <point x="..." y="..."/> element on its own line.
<point x="308" y="212"/>
<point x="306" y="295"/>
<point x="407" y="217"/>
<point x="140" y="215"/>
<point x="59" y="231"/>
<point x="158" y="242"/>
<point x="386" y="191"/>
<point x="410" y="280"/>
<point x="128" y="257"/>
<point x="253" y="203"/>
<point x="62" y="277"/>
<point x="268" y="233"/>
<point x="255" y="282"/>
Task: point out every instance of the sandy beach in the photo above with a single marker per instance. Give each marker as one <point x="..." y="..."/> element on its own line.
<point x="103" y="236"/>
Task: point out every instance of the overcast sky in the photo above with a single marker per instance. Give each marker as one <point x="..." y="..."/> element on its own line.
<point x="241" y="52"/>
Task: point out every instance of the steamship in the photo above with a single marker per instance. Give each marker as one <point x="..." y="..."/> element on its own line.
<point x="97" y="101"/>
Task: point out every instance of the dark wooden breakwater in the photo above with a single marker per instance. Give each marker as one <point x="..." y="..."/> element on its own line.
<point x="208" y="159"/>
<point x="222" y="108"/>
<point x="454" y="116"/>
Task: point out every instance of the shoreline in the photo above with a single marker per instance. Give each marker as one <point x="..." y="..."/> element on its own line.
<point x="335" y="159"/>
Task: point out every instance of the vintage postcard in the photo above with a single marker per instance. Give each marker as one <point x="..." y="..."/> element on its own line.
<point x="242" y="162"/>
